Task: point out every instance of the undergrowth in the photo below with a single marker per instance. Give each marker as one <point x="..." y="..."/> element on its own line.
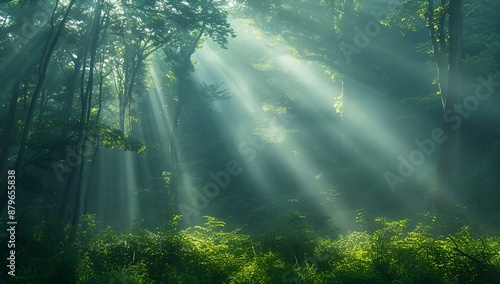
<point x="391" y="253"/>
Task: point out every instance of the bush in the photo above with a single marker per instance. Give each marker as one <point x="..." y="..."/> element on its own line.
<point x="391" y="253"/>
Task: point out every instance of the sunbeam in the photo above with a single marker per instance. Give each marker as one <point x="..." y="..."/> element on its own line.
<point x="237" y="141"/>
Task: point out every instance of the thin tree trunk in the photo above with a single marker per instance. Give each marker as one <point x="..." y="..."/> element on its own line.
<point x="70" y="89"/>
<point x="85" y="116"/>
<point x="95" y="157"/>
<point x="44" y="63"/>
<point x="43" y="103"/>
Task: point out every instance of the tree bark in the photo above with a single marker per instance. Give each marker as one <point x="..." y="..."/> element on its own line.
<point x="448" y="161"/>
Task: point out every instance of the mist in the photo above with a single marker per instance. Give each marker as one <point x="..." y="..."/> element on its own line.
<point x="250" y="141"/>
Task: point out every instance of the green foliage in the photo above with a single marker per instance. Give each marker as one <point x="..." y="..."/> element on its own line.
<point x="49" y="133"/>
<point x="392" y="253"/>
<point x="266" y="268"/>
<point x="171" y="255"/>
<point x="114" y="138"/>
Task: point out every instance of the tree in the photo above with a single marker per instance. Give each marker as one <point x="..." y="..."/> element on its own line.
<point x="201" y="19"/>
<point x="50" y="45"/>
<point x="448" y="157"/>
<point x="142" y="28"/>
<point x="444" y="23"/>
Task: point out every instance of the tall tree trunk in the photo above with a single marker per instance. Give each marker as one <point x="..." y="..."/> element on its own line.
<point x="182" y="75"/>
<point x="174" y="129"/>
<point x="438" y="40"/>
<point x="70" y="89"/>
<point x="85" y="115"/>
<point x="134" y="59"/>
<point x="95" y="156"/>
<point x="448" y="160"/>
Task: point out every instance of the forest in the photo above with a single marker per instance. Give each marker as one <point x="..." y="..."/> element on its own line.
<point x="250" y="141"/>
